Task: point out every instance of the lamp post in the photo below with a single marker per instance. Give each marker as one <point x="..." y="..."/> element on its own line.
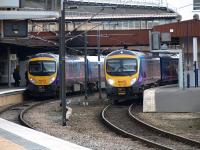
<point x="99" y="66"/>
<point x="195" y="59"/>
<point x="86" y="67"/>
<point x="188" y="75"/>
<point x="62" y="61"/>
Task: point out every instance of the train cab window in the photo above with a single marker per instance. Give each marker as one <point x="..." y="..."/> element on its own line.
<point x="121" y="67"/>
<point x="42" y="68"/>
<point x="129" y="65"/>
<point x="113" y="65"/>
<point x="35" y="67"/>
<point x="49" y="66"/>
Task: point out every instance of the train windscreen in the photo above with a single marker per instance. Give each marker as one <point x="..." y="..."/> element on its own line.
<point x="42" y="68"/>
<point x="121" y="67"/>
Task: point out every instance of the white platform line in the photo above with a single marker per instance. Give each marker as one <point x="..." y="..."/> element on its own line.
<point x="40" y="138"/>
<point x="11" y="90"/>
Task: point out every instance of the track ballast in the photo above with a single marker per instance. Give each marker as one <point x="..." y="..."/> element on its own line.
<point x="118" y="118"/>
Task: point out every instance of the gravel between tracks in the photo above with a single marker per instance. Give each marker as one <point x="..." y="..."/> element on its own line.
<point x="185" y="124"/>
<point x="83" y="128"/>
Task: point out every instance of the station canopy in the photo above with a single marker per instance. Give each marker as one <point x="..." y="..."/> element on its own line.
<point x="158" y="3"/>
<point x="10" y="15"/>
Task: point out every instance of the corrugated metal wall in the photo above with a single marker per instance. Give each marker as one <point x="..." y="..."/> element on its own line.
<point x="181" y="29"/>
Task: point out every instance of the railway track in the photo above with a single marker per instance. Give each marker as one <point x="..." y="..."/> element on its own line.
<point x="15" y="113"/>
<point x="122" y="120"/>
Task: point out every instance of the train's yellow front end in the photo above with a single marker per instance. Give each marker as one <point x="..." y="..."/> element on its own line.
<point x="42" y="75"/>
<point x="122" y="73"/>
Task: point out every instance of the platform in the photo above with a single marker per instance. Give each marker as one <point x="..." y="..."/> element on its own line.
<point x="171" y="99"/>
<point x="6" y="90"/>
<point x="11" y="96"/>
<point x="17" y="137"/>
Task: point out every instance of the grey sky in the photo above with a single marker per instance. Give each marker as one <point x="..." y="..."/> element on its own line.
<point x="184" y="7"/>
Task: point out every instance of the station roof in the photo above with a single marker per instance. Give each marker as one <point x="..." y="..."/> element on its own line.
<point x="155" y="3"/>
<point x="122" y="16"/>
<point x="14" y="15"/>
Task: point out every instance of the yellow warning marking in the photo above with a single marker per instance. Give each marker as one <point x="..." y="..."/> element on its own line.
<point x="9" y="145"/>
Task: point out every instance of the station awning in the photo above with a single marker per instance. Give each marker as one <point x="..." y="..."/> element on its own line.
<point x="15" y="15"/>
<point x="120" y="16"/>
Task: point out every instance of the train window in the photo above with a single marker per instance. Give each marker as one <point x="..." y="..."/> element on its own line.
<point x="35" y="67"/>
<point x="42" y="67"/>
<point x="113" y="65"/>
<point x="76" y="69"/>
<point x="49" y="66"/>
<point x="129" y="65"/>
<point x="121" y="66"/>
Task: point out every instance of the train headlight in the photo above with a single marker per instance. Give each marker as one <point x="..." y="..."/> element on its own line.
<point x="133" y="81"/>
<point x="110" y="81"/>
<point x="52" y="80"/>
<point x="32" y="80"/>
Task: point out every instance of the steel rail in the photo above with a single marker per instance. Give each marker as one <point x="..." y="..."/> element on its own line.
<point x="130" y="135"/>
<point x="9" y="107"/>
<point x="21" y="115"/>
<point x="163" y="132"/>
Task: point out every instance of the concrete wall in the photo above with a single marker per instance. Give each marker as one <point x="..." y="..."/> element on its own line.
<point x="171" y="99"/>
<point x="11" y="98"/>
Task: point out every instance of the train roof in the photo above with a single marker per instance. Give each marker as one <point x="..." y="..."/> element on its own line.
<point x="69" y="58"/>
<point x="50" y="55"/>
<point x="94" y="58"/>
<point x="141" y="54"/>
<point x="74" y="58"/>
<point x="126" y="52"/>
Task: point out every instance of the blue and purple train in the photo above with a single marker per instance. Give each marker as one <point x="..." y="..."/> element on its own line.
<point x="43" y="74"/>
<point x="129" y="73"/>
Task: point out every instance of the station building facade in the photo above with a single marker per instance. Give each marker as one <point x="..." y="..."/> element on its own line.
<point x="15" y="16"/>
<point x="31" y="26"/>
<point x="182" y="35"/>
<point x="123" y="19"/>
<point x="113" y="15"/>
